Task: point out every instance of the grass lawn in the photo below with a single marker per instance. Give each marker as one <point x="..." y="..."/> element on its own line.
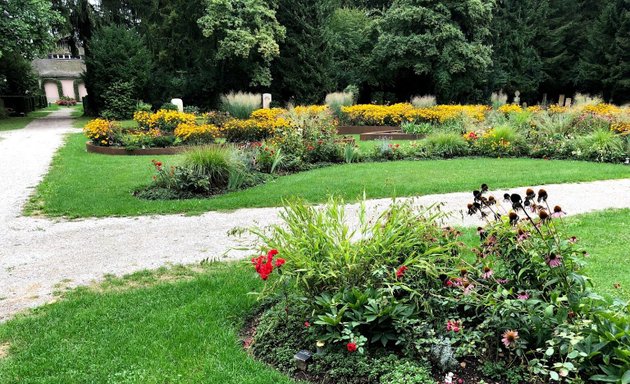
<point x="181" y="325"/>
<point x="82" y="184"/>
<point x="21" y="122"/>
<point x="159" y="332"/>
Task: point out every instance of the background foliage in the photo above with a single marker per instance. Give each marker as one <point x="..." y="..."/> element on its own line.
<point x="459" y="51"/>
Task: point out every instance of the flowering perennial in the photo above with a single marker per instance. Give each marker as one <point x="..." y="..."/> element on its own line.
<point x="264" y="264"/>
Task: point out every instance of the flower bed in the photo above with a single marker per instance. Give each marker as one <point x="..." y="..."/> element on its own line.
<point x="120" y="151"/>
<point x="162" y="129"/>
<point x="402" y="296"/>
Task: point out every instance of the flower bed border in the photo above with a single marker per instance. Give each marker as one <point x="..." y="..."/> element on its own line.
<point x="395" y="134"/>
<point x="121" y="151"/>
<point x="359" y="129"/>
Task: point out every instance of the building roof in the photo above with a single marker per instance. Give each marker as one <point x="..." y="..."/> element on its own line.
<point x="59" y="68"/>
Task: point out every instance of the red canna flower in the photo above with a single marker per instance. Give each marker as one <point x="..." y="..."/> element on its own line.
<point x="401" y="271"/>
<point x="352" y="347"/>
<point x="280" y="262"/>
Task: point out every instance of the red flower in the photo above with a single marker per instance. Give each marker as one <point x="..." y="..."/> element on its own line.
<point x="352" y="347"/>
<point x="452" y="325"/>
<point x="265" y="267"/>
<point x="307" y="324"/>
<point x="401" y="271"/>
<point x="280" y="262"/>
<point x="159" y="164"/>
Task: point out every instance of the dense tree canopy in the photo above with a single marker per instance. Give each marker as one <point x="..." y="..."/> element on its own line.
<point x="459" y="50"/>
<point x="26" y="27"/>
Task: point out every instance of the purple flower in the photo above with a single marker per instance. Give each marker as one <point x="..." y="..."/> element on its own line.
<point x="487" y="273"/>
<point x="522" y="296"/>
<point x="554" y="260"/>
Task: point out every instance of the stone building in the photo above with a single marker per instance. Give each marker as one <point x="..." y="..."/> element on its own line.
<point x="60" y="74"/>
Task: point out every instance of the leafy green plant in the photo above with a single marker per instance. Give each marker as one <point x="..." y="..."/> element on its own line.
<point x="416" y="128"/>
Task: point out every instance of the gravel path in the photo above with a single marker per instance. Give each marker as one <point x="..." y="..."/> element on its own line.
<point x="37" y="254"/>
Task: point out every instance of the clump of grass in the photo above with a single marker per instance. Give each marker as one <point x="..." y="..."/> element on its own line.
<point x="498" y="99"/>
<point x="241" y="104"/>
<point x="601" y="145"/>
<point x="216" y="163"/>
<point x="582" y="99"/>
<point x="446" y="144"/>
<point x="336" y="100"/>
<point x="425" y="101"/>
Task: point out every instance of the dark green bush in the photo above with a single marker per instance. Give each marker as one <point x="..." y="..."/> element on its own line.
<point x="119" y="102"/>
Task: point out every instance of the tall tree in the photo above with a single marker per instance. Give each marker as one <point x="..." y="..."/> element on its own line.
<point x="351" y="34"/>
<point x="247" y="35"/>
<point x="302" y="71"/>
<point x="117" y="55"/>
<point x="516" y="62"/>
<point x="26" y="27"/>
<point x="437" y="46"/>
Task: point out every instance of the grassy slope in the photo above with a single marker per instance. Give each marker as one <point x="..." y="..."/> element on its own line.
<point x="82" y="184"/>
<point x="180" y="326"/>
<point x="21" y="122"/>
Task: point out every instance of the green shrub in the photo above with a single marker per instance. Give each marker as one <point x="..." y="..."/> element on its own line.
<point x="168" y="106"/>
<point x="601" y="145"/>
<point x="118" y="101"/>
<point x="192" y="109"/>
<point x="408" y="373"/>
<point x="241" y="104"/>
<point x="446" y="145"/>
<point x="143" y="107"/>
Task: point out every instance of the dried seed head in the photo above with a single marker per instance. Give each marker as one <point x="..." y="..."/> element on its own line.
<point x="542" y="195"/>
<point x="516" y="198"/>
<point x="543" y="215"/>
<point x="557" y="209"/>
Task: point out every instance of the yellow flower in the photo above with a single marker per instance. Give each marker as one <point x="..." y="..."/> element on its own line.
<point x="100" y="129"/>
<point x="510" y="108"/>
<point x="556" y="109"/>
<point x="194" y="132"/>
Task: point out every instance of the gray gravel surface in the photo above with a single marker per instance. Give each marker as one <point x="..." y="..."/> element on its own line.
<point x="37" y="254"/>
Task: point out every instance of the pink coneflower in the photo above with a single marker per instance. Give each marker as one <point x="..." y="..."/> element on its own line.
<point x="468" y="288"/>
<point x="509" y="338"/>
<point x="554" y="260"/>
<point x="558" y="212"/>
<point x="523" y="296"/>
<point x="487" y="273"/>
<point x="503" y="281"/>
<point x="573" y="240"/>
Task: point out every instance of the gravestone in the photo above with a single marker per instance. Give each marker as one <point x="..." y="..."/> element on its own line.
<point x="561" y="100"/>
<point x="179" y="103"/>
<point x="517" y="99"/>
<point x="544" y="100"/>
<point x="568" y="102"/>
<point x="266" y="100"/>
